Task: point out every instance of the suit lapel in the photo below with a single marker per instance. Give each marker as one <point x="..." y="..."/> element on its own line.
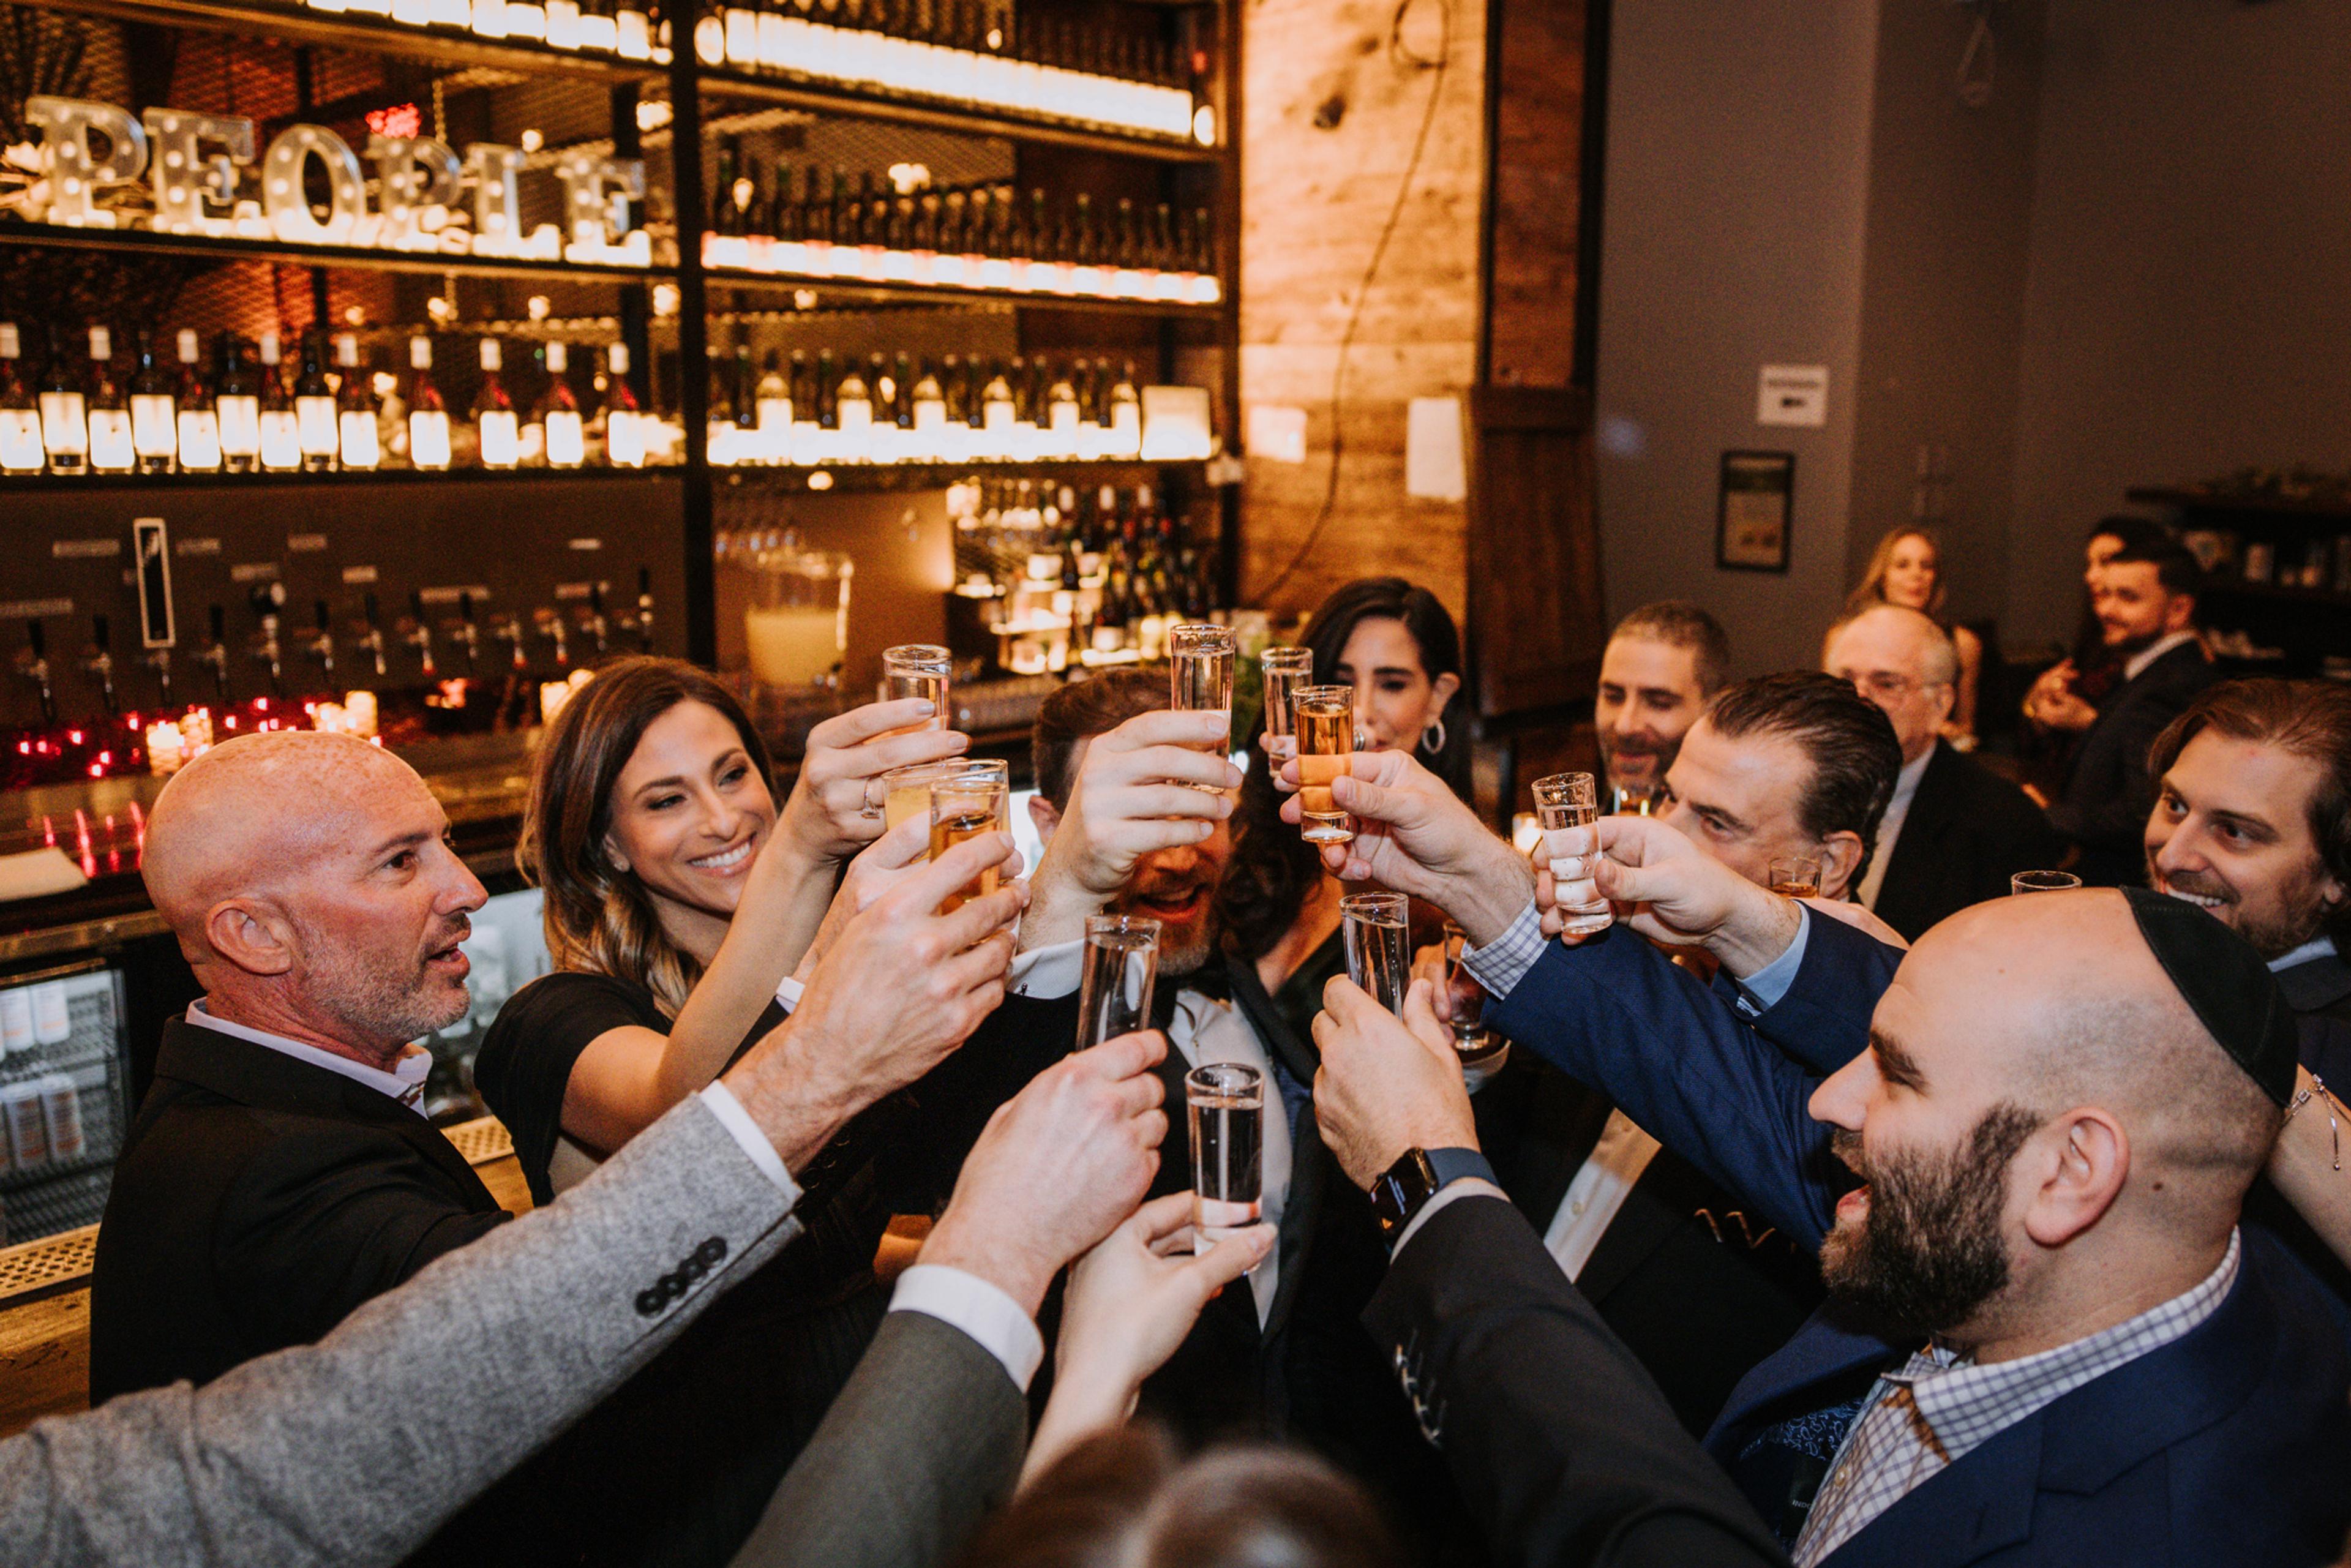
<point x="1923" y="825"/>
<point x="1961" y="1514"/>
<point x="1564" y="1119"/>
<point x="1309" y="1169"/>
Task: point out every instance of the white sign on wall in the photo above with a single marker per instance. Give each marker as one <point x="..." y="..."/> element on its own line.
<point x="1792" y="394"/>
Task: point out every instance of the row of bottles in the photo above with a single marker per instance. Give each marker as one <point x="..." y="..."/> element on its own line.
<point x="977" y="236"/>
<point x="625" y="28"/>
<point x="248" y="412"/>
<point x="814" y="410"/>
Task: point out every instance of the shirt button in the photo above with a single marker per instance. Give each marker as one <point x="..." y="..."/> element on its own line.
<point x="1580" y="1206"/>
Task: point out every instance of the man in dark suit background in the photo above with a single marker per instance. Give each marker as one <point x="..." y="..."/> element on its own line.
<point x="1954" y="832"/>
<point x="2144" y="601"/>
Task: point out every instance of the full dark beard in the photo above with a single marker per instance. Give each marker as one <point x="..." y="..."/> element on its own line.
<point x="1929" y="1253"/>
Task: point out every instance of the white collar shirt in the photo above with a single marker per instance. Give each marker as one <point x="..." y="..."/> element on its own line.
<point x="404" y="1084"/>
<point x="2135" y="665"/>
<point x="1889" y="826"/>
<point x="2317" y="948"/>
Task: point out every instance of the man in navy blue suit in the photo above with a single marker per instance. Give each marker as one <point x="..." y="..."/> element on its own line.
<point x="2051" y="1343"/>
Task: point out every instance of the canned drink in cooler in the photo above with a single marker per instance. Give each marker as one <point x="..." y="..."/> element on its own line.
<point x="29" y="1134"/>
<point x="61" y="1111"/>
<point x="16" y="1020"/>
<point x="52" y="1018"/>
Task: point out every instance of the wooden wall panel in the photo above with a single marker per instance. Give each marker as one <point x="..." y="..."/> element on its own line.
<point x="1538" y="74"/>
<point x="1313" y="202"/>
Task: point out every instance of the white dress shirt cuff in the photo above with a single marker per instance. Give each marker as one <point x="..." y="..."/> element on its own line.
<point x="1047" y="972"/>
<point x="789" y="993"/>
<point x="967" y="1301"/>
<point x="1463" y="1187"/>
<point x="1503" y="963"/>
<point x="1759" y="992"/>
<point x="745" y="1132"/>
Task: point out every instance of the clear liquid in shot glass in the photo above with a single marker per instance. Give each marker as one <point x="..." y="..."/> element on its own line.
<point x="1565" y="800"/>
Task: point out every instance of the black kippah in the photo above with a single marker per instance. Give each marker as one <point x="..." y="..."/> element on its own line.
<point x="2232" y="992"/>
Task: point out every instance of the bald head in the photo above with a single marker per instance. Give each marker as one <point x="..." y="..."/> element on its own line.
<point x="1902" y="661"/>
<point x="307" y="880"/>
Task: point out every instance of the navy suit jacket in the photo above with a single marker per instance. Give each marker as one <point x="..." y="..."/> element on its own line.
<point x="2230" y="1445"/>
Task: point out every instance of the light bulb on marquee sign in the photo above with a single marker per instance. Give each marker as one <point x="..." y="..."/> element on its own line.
<point x="196" y="165"/>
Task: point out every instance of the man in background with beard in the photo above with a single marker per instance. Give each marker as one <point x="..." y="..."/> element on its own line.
<point x="1662" y="663"/>
<point x="2052" y="1342"/>
<point x="1134" y="803"/>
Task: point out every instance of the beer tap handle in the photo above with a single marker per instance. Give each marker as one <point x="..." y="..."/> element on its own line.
<point x="322" y="644"/>
<point x="100" y="659"/>
<point x="216" y="653"/>
<point x="421" y="635"/>
<point x="373" y="640"/>
<point x="32" y="664"/>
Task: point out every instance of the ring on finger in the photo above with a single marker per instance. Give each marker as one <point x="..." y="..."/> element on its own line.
<point x="868" y="807"/>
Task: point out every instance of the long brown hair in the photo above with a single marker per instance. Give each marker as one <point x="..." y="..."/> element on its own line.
<point x="599" y="918"/>
<point x="1872" y="582"/>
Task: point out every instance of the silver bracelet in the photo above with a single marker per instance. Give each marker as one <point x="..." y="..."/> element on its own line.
<point x="2333" y="1127"/>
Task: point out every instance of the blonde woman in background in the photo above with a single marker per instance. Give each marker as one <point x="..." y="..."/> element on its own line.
<point x="1906" y="569"/>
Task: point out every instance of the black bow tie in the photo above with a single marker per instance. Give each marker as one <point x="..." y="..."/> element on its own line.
<point x="1209" y="980"/>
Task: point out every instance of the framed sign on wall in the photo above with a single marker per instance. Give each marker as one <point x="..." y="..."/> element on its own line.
<point x="1754" y="511"/>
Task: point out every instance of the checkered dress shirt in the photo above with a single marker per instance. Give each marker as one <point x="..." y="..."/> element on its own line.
<point x="1940" y="1405"/>
<point x="1500" y="967"/>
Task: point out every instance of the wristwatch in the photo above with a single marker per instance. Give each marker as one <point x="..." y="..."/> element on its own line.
<point x="1404" y="1189"/>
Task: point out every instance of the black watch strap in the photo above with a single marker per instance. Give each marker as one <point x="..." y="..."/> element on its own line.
<point x="1404" y="1189"/>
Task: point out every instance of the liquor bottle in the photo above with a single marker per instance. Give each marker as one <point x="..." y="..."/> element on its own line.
<point x="1026" y="409"/>
<point x="807" y="412"/>
<point x="497" y="429"/>
<point x="739" y="34"/>
<point x="527" y="19"/>
<point x="886" y="393"/>
<point x="773" y="401"/>
<point x="632" y="30"/>
<point x="1125" y="438"/>
<point x="624" y="435"/>
<point x="110" y="447"/>
<point x="357" y="441"/>
<point x="199" y="442"/>
<point x="598" y="34"/>
<point x="928" y="414"/>
<point x="564" y="436"/>
<point x="725" y="428"/>
<point x="1062" y="438"/>
<point x="726" y="210"/>
<point x="281" y="434"/>
<point x="428" y="412"/>
<point x="872" y="226"/>
<point x="20" y="412"/>
<point x="563" y="30"/>
<point x="237" y="404"/>
<point x="996" y="420"/>
<point x="853" y="418"/>
<point x="154" y="409"/>
<point x="314" y="408"/>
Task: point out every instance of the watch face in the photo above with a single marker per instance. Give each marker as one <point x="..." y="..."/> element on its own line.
<point x="1402" y="1188"/>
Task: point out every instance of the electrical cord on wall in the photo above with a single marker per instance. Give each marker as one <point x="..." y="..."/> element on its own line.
<point x="1399" y="52"/>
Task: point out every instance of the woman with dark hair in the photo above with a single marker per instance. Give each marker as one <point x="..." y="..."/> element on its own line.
<point x="1395" y="643"/>
<point x="678" y="899"/>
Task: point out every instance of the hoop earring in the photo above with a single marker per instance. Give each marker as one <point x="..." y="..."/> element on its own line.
<point x="1437" y="746"/>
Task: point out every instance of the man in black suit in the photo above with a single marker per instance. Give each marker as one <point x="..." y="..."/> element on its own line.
<point x="1954" y="832"/>
<point x="2145" y="604"/>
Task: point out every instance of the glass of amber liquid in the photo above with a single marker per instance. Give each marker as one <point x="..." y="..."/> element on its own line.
<point x="1200" y="674"/>
<point x="961" y="810"/>
<point x="917" y="670"/>
<point x="1326" y="732"/>
<point x="906" y="792"/>
<point x="1796" y="876"/>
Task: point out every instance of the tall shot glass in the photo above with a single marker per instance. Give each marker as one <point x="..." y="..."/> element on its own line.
<point x="918" y="669"/>
<point x="1566" y="800"/>
<point x="1122" y="963"/>
<point x="1287" y="672"/>
<point x="1374" y="929"/>
<point x="1200" y="674"/>
<point x="1226" y="1103"/>
<point x="961" y="810"/>
<point x="1326" y="734"/>
<point x="906" y="792"/>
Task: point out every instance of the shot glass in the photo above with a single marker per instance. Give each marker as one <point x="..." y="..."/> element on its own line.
<point x="1200" y="674"/>
<point x="1286" y="670"/>
<point x="961" y="810"/>
<point x="917" y="670"/>
<point x="1122" y="962"/>
<point x="1373" y="928"/>
<point x="1224" y="1101"/>
<point x="1468" y="999"/>
<point x="1326" y="732"/>
<point x="2042" y="881"/>
<point x="906" y="792"/>
<point x="1566" y="800"/>
<point x="1797" y="876"/>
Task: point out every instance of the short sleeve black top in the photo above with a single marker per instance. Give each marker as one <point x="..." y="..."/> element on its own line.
<point x="525" y="1064"/>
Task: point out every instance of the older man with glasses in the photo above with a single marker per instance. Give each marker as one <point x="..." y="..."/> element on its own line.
<point x="1954" y="832"/>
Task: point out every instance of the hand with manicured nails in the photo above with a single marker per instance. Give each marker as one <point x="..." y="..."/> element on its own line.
<point x="879" y="867"/>
<point x="826" y="814"/>
<point x="1414" y="835"/>
<point x="902" y="986"/>
<point x="1131" y="1301"/>
<point x="1061" y="1164"/>
<point x="1130" y="799"/>
<point x="1386" y="1084"/>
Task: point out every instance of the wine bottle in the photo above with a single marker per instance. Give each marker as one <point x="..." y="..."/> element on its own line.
<point x="281" y="433"/>
<point x="624" y="433"/>
<point x="314" y="408"/>
<point x="237" y="404"/>
<point x="110" y="447"/>
<point x="154" y="409"/>
<point x="428" y="412"/>
<point x="927" y="413"/>
<point x="773" y="401"/>
<point x="357" y="443"/>
<point x="808" y="411"/>
<point x="198" y="431"/>
<point x="853" y="418"/>
<point x="1125" y="438"/>
<point x="564" y="431"/>
<point x="20" y="411"/>
<point x="497" y="429"/>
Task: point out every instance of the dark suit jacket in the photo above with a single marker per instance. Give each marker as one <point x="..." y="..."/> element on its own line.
<point x="2319" y="991"/>
<point x="1558" y="1437"/>
<point x="259" y="1199"/>
<point x="2108" y="790"/>
<point x="1966" y="832"/>
<point x="1696" y="1290"/>
<point x="2232" y="1451"/>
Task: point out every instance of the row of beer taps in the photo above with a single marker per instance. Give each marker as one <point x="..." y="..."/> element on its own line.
<point x="364" y="653"/>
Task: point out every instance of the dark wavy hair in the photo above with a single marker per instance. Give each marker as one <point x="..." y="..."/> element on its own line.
<point x="599" y="918"/>
<point x="1856" y="759"/>
<point x="1272" y="868"/>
